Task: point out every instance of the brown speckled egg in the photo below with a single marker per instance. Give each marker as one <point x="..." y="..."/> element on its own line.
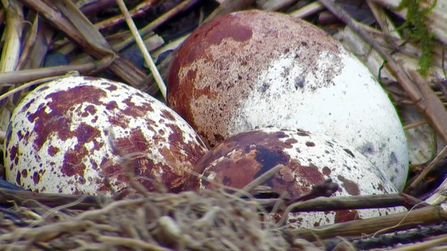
<point x="308" y="159"/>
<point x="255" y="69"/>
<point x="58" y="140"/>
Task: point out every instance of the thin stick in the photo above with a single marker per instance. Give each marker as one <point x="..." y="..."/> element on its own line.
<point x="424" y="216"/>
<point x="413" y="125"/>
<point x="427" y="169"/>
<point x="29" y="199"/>
<point x="96" y="45"/>
<point x="137" y="11"/>
<point x="229" y="6"/>
<point x="12" y="35"/>
<point x="92" y="214"/>
<point x="27" y="85"/>
<point x="17" y="77"/>
<point x="307" y="10"/>
<point x="128" y="242"/>
<point x="258" y="181"/>
<point x="424" y="245"/>
<point x="347" y="202"/>
<point x="143" y="49"/>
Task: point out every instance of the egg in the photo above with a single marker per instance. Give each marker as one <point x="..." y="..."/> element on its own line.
<point x="254" y="69"/>
<point x="59" y="139"/>
<point x="308" y="159"/>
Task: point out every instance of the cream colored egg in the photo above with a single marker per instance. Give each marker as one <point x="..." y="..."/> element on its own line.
<point x="254" y="69"/>
<point x="59" y="139"/>
<point x="308" y="159"/>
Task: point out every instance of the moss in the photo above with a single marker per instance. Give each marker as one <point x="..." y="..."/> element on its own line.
<point x="417" y="30"/>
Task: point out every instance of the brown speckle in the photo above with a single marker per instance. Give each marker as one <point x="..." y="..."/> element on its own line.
<point x="110" y="87"/>
<point x="36" y="178"/>
<point x="13" y="152"/>
<point x="93" y="164"/>
<point x="19" y="178"/>
<point x="24" y="173"/>
<point x="167" y="115"/>
<point x="291" y="141"/>
<point x="136" y="110"/>
<point x="311" y="144"/>
<point x="308" y="176"/>
<point x="302" y="133"/>
<point x="27" y="105"/>
<point x="381" y="188"/>
<point x="345" y="215"/>
<point x="73" y="163"/>
<point x="349" y="152"/>
<point x="89" y="110"/>
<point x="351" y="187"/>
<point x="119" y="120"/>
<point x="53" y="150"/>
<point x="112" y="105"/>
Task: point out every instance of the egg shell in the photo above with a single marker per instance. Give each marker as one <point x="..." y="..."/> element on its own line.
<point x="59" y="137"/>
<point x="254" y="69"/>
<point x="308" y="158"/>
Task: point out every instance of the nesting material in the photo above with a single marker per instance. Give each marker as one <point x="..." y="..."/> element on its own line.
<point x="188" y="221"/>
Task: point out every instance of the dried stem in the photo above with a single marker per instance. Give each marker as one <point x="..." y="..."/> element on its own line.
<point x="424" y="216"/>
<point x="143" y="49"/>
<point x="258" y="181"/>
<point x="79" y="29"/>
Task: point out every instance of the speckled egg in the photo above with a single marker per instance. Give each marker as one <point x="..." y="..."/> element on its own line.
<point x="59" y="139"/>
<point x="254" y="69"/>
<point x="309" y="159"/>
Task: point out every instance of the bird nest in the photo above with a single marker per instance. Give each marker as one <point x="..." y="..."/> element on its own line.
<point x="206" y="220"/>
<point x="210" y="220"/>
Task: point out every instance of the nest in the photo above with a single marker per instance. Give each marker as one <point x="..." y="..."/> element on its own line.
<point x="188" y="221"/>
<point x="206" y="220"/>
<point x="222" y="220"/>
<point x="209" y="220"/>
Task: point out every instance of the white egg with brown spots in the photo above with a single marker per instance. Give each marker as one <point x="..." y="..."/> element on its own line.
<point x="309" y="159"/>
<point x="254" y="69"/>
<point x="58" y="140"/>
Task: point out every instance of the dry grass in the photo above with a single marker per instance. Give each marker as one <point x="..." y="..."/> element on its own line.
<point x="211" y="220"/>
